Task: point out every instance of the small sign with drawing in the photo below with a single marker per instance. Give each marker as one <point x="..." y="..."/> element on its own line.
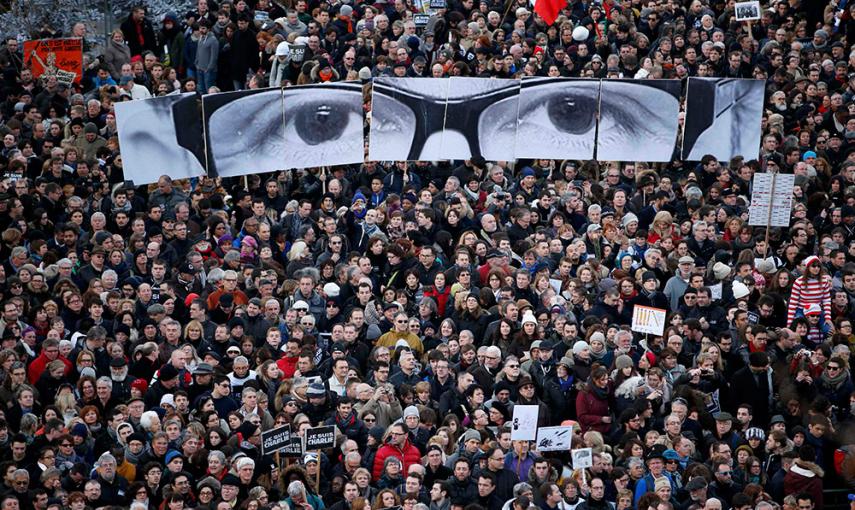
<point x="554" y="439"/>
<point x="648" y="320"/>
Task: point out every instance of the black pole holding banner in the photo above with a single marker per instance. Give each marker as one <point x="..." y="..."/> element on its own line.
<point x="318" y="472"/>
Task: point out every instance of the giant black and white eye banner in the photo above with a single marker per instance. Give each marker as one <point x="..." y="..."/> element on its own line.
<point x="323" y="125"/>
<point x="256" y="131"/>
<point x="407" y="118"/>
<point x="160" y="136"/>
<point x="561" y="118"/>
<point x="439" y="118"/>
<point x="481" y="118"/>
<point x="245" y="131"/>
<point x="723" y="118"/>
<point x="638" y="120"/>
<point x="557" y="118"/>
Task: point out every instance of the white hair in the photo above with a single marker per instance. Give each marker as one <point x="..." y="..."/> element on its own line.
<point x="148" y="418"/>
<point x="296" y="488"/>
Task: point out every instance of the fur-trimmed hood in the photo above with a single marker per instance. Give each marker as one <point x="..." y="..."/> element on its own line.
<point x="551" y="478"/>
<point x="807" y="469"/>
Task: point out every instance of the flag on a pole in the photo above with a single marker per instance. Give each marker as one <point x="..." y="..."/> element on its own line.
<point x="549" y="9"/>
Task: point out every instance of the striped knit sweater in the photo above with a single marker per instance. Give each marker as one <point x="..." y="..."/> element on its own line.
<point x="807" y="293"/>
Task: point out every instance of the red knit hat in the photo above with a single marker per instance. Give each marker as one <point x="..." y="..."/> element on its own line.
<point x="140" y="384"/>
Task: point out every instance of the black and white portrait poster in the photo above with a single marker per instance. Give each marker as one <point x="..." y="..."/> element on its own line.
<point x="638" y="120"/>
<point x="557" y="118"/>
<point x="747" y="11"/>
<point x="723" y="118"/>
<point x="157" y="137"/>
<point x="480" y="119"/>
<point x="407" y="118"/>
<point x="323" y="125"/>
<point x="245" y="132"/>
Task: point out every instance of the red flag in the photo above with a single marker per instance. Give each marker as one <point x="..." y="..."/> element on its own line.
<point x="549" y="9"/>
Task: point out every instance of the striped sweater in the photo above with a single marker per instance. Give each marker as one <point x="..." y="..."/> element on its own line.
<point x="807" y="293"/>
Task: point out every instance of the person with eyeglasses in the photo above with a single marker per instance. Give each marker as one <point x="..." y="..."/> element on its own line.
<point x="401" y="332"/>
<point x="113" y="487"/>
<point x="221" y="395"/>
<point x="11" y="315"/>
<point x="723" y="486"/>
<point x="398" y="445"/>
<point x="836" y="385"/>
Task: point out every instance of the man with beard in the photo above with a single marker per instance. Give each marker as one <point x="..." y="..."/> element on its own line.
<point x="121" y="380"/>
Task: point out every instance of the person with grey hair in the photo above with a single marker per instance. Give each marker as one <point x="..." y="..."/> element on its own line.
<point x="634" y="463"/>
<point x="299" y="497"/>
<point x="150" y="421"/>
<point x="215" y="275"/>
<point x="241" y="374"/>
<point x="113" y="485"/>
<point x="245" y="469"/>
<point x="488" y="367"/>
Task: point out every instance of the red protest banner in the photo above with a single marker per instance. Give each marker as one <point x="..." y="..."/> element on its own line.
<point x="62" y="58"/>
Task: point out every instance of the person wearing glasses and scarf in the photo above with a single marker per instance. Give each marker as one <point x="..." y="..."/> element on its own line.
<point x="836" y="385"/>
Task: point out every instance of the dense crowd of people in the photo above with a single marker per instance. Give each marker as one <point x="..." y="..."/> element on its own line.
<point x="150" y="334"/>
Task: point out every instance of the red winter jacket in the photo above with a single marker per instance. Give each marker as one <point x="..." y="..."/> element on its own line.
<point x="40" y="363"/>
<point x="409" y="455"/>
<point x="590" y="411"/>
<point x="805" y="477"/>
<point x="288" y="365"/>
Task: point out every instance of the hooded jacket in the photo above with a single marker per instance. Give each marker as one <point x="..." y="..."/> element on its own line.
<point x="532" y="480"/>
<point x="807" y="477"/>
<point x="408" y="454"/>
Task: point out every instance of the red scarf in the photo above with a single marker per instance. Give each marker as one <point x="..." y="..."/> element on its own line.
<point x="140" y="36"/>
<point x="349" y="22"/>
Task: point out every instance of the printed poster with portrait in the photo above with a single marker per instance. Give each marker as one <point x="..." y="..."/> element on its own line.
<point x="557" y="118"/>
<point x="161" y="135"/>
<point x="62" y="58"/>
<point x="265" y="130"/>
<point x="638" y="120"/>
<point x="747" y="11"/>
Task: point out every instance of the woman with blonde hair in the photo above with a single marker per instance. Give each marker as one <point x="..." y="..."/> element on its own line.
<point x="662" y="226"/>
<point x="193" y="332"/>
<point x="117" y="53"/>
<point x="594" y="440"/>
